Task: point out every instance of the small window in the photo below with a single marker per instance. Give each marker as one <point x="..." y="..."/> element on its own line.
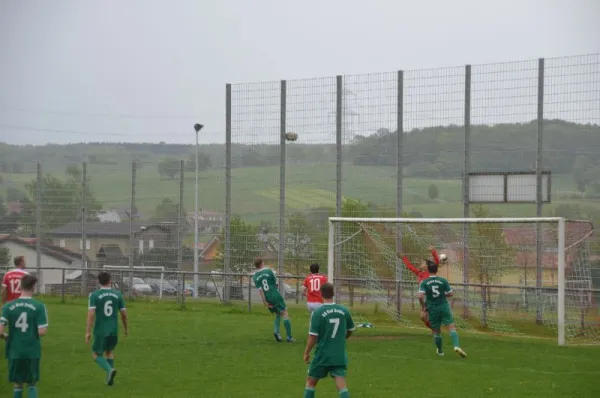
<point x="87" y="244"/>
<point x="141" y="246"/>
<point x="151" y="244"/>
<point x="62" y="243"/>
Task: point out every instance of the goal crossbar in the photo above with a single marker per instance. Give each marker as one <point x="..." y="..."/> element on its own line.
<point x="560" y="249"/>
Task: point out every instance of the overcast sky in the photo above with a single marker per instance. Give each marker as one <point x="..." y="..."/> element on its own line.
<point x="124" y="70"/>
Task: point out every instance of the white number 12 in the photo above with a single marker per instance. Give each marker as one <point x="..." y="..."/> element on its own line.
<point x="336" y="325"/>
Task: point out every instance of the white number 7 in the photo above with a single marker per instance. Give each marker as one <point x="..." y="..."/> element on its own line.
<point x="336" y="325"/>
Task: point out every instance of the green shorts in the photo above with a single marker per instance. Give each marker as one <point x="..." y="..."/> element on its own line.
<point x="440" y="317"/>
<point x="317" y="371"/>
<point x="104" y="344"/>
<point x="278" y="306"/>
<point x="24" y="371"/>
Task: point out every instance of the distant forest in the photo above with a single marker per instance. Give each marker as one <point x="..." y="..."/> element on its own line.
<point x="435" y="152"/>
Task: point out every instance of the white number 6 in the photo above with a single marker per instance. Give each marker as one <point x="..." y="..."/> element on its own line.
<point x="108" y="308"/>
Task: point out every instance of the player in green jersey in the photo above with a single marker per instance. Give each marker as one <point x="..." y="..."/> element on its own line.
<point x="104" y="304"/>
<point x="330" y="326"/>
<point x="433" y="294"/>
<point x="266" y="283"/>
<point x="27" y="321"/>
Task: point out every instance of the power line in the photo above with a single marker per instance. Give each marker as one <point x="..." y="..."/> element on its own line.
<point x="89" y="133"/>
<point x="88" y="114"/>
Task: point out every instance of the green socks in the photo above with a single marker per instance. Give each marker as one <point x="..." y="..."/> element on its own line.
<point x="18" y="393"/>
<point x="277" y="324"/>
<point x="309" y="393"/>
<point x="101" y="361"/>
<point x="111" y="362"/>
<point x="32" y="392"/>
<point x="438" y="342"/>
<point x="288" y="327"/>
<point x="344" y="393"/>
<point x="454" y="337"/>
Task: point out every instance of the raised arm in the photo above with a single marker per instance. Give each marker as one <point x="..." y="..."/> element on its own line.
<point x="408" y="264"/>
<point x="434" y="254"/>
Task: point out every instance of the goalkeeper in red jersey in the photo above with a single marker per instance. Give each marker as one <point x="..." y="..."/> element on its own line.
<point x="422" y="273"/>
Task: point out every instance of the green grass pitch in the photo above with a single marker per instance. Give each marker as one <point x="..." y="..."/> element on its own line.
<point x="213" y="350"/>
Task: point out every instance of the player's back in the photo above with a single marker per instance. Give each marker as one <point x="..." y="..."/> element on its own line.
<point x="24" y="317"/>
<point x="12" y="283"/>
<point x="313" y="283"/>
<point x="107" y="304"/>
<point x="330" y="324"/>
<point x="266" y="280"/>
<point x="435" y="288"/>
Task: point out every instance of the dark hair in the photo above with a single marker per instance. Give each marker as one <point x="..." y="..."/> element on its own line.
<point x="28" y="283"/>
<point x="314" y="268"/>
<point x="19" y="260"/>
<point x="258" y="262"/>
<point x="104" y="278"/>
<point x="432" y="267"/>
<point x="327" y="291"/>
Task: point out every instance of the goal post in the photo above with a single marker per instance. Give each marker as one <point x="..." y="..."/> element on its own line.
<point x="495" y="275"/>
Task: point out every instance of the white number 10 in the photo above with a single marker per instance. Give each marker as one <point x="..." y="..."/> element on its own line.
<point x="315" y="285"/>
<point x="336" y="325"/>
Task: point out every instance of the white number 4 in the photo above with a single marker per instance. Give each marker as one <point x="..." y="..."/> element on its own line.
<point x="336" y="325"/>
<point x="436" y="290"/>
<point x="22" y="322"/>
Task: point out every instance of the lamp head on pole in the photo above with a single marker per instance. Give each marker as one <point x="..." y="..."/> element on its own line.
<point x="198" y="127"/>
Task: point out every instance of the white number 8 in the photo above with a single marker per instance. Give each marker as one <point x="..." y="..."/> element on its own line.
<point x="265" y="285"/>
<point x="108" y="308"/>
<point x="436" y="290"/>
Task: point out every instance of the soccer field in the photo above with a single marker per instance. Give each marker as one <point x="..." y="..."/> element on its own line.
<point x="213" y="350"/>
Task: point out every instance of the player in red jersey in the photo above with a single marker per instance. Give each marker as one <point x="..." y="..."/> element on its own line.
<point x="422" y="273"/>
<point x="312" y="287"/>
<point x="11" y="284"/>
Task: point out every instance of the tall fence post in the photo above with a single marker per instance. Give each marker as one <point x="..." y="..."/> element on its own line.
<point x="132" y="212"/>
<point x="538" y="171"/>
<point x="38" y="228"/>
<point x="338" y="177"/>
<point x="466" y="196"/>
<point x="399" y="182"/>
<point x="84" y="272"/>
<point x="282" y="161"/>
<point x="180" y="232"/>
<point x="227" y="257"/>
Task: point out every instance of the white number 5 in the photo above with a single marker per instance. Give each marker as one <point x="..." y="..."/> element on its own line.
<point x="108" y="308"/>
<point x="436" y="290"/>
<point x="336" y="325"/>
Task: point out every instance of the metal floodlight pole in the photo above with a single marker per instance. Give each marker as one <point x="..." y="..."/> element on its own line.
<point x="197" y="128"/>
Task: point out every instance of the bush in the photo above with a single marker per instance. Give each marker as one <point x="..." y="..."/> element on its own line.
<point x="433" y="192"/>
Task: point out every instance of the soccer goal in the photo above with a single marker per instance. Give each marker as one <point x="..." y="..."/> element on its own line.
<point x="527" y="276"/>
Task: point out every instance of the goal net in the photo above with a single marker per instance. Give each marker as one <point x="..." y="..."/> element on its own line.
<point x="528" y="276"/>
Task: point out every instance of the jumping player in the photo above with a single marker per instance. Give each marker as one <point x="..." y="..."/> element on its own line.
<point x="26" y="320"/>
<point x="11" y="283"/>
<point x="104" y="304"/>
<point x="330" y="326"/>
<point x="433" y="293"/>
<point x="312" y="287"/>
<point x="422" y="274"/>
<point x="266" y="283"/>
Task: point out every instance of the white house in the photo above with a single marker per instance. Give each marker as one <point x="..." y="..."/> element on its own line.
<point x="53" y="258"/>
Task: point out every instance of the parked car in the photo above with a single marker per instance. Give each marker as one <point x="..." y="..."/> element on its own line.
<point x="167" y="288"/>
<point x="139" y="286"/>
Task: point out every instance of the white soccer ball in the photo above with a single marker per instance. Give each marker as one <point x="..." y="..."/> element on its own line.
<point x="443" y="258"/>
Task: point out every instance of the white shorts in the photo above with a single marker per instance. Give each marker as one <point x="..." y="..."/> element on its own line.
<point x="313" y="306"/>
